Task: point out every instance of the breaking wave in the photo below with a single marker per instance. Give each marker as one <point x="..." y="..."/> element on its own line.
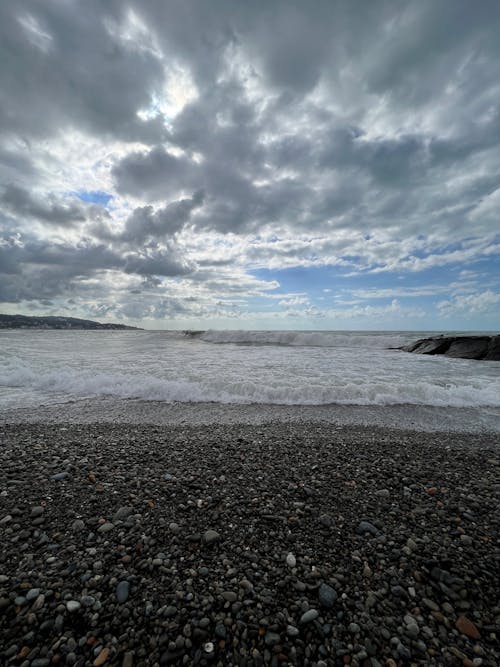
<point x="302" y="338"/>
<point x="66" y="384"/>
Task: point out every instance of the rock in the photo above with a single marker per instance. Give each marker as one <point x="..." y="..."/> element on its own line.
<point x="326" y="520"/>
<point x="292" y="631"/>
<point x="128" y="659"/>
<point x="6" y="519"/>
<point x="383" y="493"/>
<point x="102" y="657"/>
<point x="493" y="353"/>
<point x="105" y="528"/>
<point x="60" y="476"/>
<point x="210" y="537"/>
<point x="38" y="510"/>
<point x="467" y="627"/>
<point x="430" y="604"/>
<point x="229" y="596"/>
<point x="327" y="596"/>
<point x="469" y="347"/>
<point x="365" y="527"/>
<point x="38" y="603"/>
<point x="437" y="345"/>
<point x="78" y="525"/>
<point x="73" y="605"/>
<point x="122" y="591"/>
<point x="308" y="616"/>
<point x="32" y="594"/>
<point x="291" y="561"/>
<point x="122" y="513"/>
<point x="272" y="638"/>
<point x="459" y="347"/>
<point x="174" y="528"/>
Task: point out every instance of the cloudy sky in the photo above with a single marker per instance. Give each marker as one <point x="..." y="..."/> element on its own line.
<point x="276" y="164"/>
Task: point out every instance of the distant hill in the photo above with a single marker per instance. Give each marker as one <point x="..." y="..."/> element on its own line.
<point x="53" y="322"/>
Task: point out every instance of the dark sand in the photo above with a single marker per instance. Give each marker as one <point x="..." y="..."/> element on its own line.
<point x="80" y="584"/>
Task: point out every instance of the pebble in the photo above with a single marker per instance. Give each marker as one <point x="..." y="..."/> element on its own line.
<point x="122" y="591"/>
<point x="151" y="595"/>
<point x="32" y="594"/>
<point x="467" y="627"/>
<point x="128" y="659"/>
<point x="105" y="528"/>
<point x="365" y="527"/>
<point x="102" y="657"/>
<point x="122" y="513"/>
<point x="230" y="596"/>
<point x="211" y="537"/>
<point x="308" y="616"/>
<point x="38" y="510"/>
<point x="327" y="596"/>
<point x="60" y="476"/>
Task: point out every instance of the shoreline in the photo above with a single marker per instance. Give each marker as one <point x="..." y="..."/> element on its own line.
<point x="247" y="544"/>
<point x="419" y="418"/>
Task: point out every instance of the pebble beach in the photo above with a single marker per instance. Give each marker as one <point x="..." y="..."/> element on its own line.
<point x="280" y="543"/>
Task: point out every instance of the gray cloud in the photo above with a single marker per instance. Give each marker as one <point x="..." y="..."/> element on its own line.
<point x="64" y="67"/>
<point x="154" y="174"/>
<point x="20" y="202"/>
<point x="372" y="129"/>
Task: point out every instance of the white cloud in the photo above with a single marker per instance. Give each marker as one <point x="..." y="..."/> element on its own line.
<point x="471" y="304"/>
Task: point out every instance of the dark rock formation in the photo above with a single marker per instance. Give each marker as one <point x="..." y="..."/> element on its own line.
<point x="460" y="347"/>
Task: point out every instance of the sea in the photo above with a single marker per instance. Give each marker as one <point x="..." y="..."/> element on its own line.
<point x="293" y="368"/>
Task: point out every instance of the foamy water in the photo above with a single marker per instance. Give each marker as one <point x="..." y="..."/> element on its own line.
<point x="243" y="367"/>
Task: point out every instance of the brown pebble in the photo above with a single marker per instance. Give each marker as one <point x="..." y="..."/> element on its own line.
<point x="23" y="652"/>
<point x="432" y="491"/>
<point x="128" y="659"/>
<point x="439" y="617"/>
<point x="467" y="627"/>
<point x="102" y="657"/>
<point x="467" y="662"/>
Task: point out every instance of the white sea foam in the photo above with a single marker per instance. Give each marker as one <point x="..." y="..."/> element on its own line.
<point x="304" y="338"/>
<point x="289" y="368"/>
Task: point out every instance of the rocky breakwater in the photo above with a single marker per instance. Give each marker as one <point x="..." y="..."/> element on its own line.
<point x="486" y="348"/>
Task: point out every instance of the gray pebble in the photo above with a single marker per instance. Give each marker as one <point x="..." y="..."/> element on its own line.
<point x="308" y="616"/>
<point x="122" y="591"/>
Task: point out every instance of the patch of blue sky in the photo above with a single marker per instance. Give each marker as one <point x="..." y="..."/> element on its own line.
<point x="93" y="196"/>
<point x="309" y="279"/>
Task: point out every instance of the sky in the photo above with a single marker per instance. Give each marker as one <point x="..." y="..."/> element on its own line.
<point x="261" y="165"/>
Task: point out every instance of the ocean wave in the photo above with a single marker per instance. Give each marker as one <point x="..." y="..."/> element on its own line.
<point x="68" y="384"/>
<point x="302" y="338"/>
